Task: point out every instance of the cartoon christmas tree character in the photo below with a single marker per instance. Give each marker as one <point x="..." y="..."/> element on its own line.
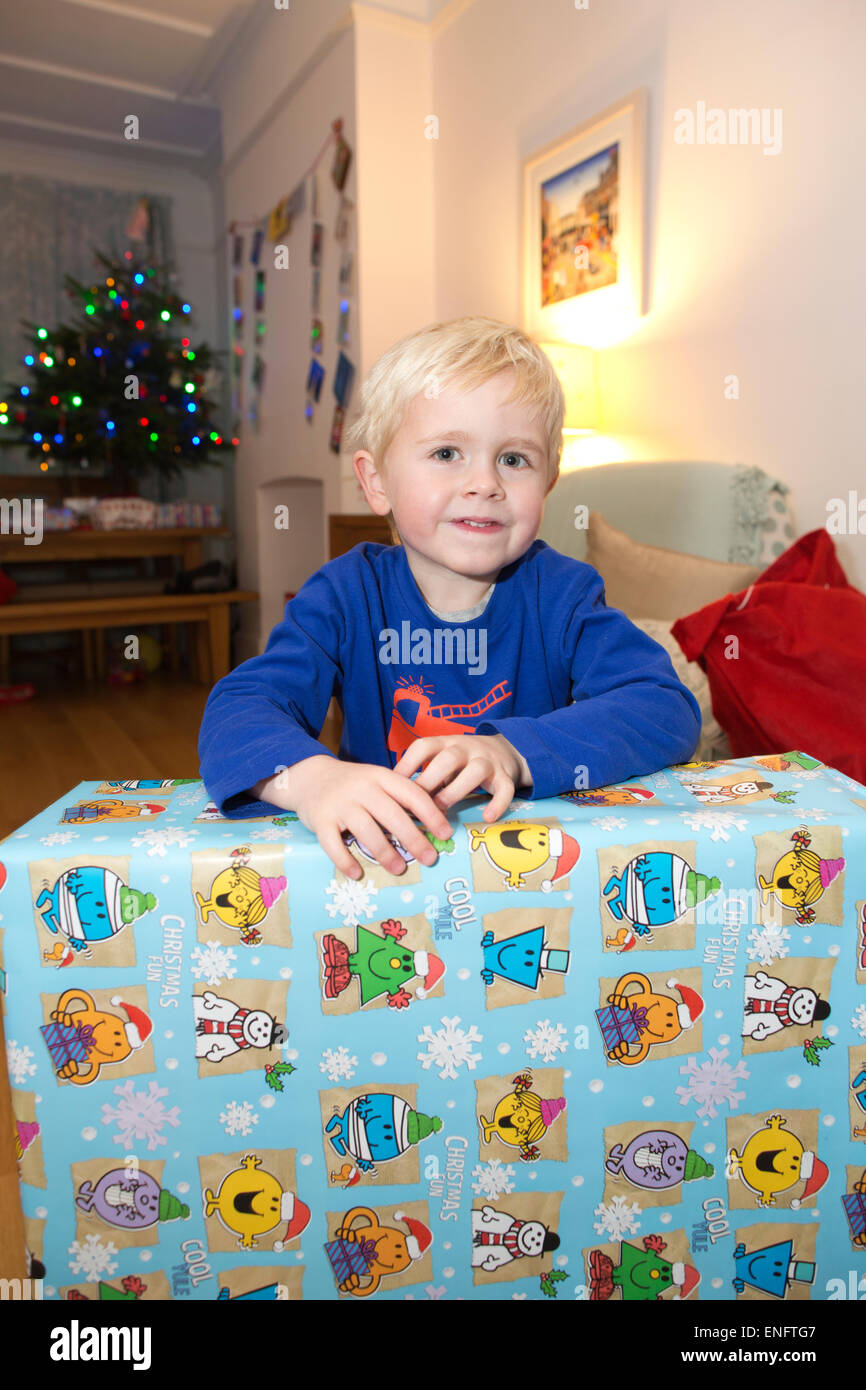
<point x="641" y="1275"/>
<point x="380" y="965"/>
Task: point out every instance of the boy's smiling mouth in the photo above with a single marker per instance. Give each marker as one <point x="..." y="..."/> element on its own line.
<point x="477" y="523"/>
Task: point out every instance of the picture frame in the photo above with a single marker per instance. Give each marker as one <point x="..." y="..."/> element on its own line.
<point x="583" y="207"/>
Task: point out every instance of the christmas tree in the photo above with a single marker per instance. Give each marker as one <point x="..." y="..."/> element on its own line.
<point x="121" y="386"/>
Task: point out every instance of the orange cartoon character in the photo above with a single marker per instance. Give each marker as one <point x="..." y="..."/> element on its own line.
<point x="637" y="1018"/>
<point x="521" y="1119"/>
<point x="241" y="897"/>
<point x="800" y="878"/>
<point x="83" y="1038"/>
<point x="87" y="811"/>
<point x="364" y="1252"/>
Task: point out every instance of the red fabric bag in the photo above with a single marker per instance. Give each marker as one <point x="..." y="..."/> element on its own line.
<point x="799" y="674"/>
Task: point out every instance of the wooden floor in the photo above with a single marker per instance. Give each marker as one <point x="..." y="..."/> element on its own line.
<point x="47" y="746"/>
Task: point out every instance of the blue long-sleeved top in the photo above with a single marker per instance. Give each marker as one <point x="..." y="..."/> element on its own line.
<point x="585" y="696"/>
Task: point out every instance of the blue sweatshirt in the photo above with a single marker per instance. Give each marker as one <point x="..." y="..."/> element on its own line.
<point x="571" y="683"/>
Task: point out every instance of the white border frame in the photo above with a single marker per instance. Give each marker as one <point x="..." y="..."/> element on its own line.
<point x="625" y="123"/>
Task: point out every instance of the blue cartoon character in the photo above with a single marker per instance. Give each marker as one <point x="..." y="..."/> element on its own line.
<point x="772" y="1269"/>
<point x="90" y="904"/>
<point x="655" y="889"/>
<point x="378" y="1127"/>
<point x="523" y="959"/>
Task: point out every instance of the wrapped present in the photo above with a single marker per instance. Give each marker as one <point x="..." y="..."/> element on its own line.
<point x="68" y="1043"/>
<point x="350" y="1257"/>
<point x="620" y="1025"/>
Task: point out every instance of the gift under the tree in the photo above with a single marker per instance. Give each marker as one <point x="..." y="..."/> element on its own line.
<point x="610" y="1047"/>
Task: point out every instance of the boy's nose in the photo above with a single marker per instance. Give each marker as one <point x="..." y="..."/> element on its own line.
<point x="483" y="478"/>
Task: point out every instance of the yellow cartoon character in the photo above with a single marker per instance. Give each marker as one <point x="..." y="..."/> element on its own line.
<point x="800" y="877"/>
<point x="519" y="847"/>
<point x="241" y="897"/>
<point x="637" y="1017"/>
<point x="773" y="1159"/>
<point x="521" y="1119"/>
<point x="250" y="1202"/>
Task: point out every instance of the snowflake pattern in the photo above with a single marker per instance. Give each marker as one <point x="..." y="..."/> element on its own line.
<point x="238" y="1117"/>
<point x="767" y="944"/>
<point x="92" y="1259"/>
<point x="21" y="1064"/>
<point x="276" y="832"/>
<point x="449" y="1047"/>
<point x="618" y="1219"/>
<point x="190" y="797"/>
<point x="351" y="898"/>
<point x="59" y="837"/>
<point x="858" y="1022"/>
<point x="337" y="1064"/>
<point x="610" y="822"/>
<point x="812" y="813"/>
<point x="140" y="1115"/>
<point x="712" y="1083"/>
<point x="160" y="840"/>
<point x="213" y="963"/>
<point x="546" y="1040"/>
<point x="494" y="1179"/>
<point x="719" y="823"/>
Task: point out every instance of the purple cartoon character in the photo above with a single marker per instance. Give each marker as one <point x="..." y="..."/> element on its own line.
<point x="131" y="1199"/>
<point x="656" y="1160"/>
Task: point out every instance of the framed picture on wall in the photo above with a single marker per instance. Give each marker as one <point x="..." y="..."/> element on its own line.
<point x="583" y="228"/>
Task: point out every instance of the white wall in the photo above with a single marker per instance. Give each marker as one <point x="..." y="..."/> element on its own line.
<point x="753" y="261"/>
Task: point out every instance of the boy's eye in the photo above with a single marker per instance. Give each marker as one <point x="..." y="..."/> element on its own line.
<point x="521" y="457"/>
<point x="445" y="449"/>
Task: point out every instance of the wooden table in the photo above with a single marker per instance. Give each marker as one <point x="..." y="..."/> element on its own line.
<point x="59" y="547"/>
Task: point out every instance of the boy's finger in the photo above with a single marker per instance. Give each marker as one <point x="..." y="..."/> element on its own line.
<point x="422" y="805"/>
<point x="333" y="845"/>
<point x="416" y="754"/>
<point x="366" y="829"/>
<point x="395" y="819"/>
<point x="476" y="771"/>
<point x="503" y="795"/>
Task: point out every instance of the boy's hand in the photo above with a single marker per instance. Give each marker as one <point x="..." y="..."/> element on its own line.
<point x="461" y="762"/>
<point x="331" y="796"/>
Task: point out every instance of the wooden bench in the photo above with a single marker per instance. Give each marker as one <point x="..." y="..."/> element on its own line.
<point x="209" y="612"/>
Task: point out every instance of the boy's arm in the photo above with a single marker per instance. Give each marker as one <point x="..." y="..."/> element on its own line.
<point x="630" y="716"/>
<point x="267" y="713"/>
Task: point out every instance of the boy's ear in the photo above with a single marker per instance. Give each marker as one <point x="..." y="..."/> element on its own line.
<point x="372" y="482"/>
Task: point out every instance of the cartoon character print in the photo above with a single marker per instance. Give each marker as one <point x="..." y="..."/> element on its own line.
<point x="521" y="1119"/>
<point x="88" y="812"/>
<point x="859" y="1098"/>
<point x="146" y="784"/>
<point x="634" y="795"/>
<point x="380" y="965"/>
<point x="88" y="905"/>
<point x="241" y="897"/>
<point x="378" y="1127"/>
<point x="854" y="1203"/>
<point x="364" y="1251"/>
<point x="498" y="1238"/>
<point x="83" y="1038"/>
<point x="413" y="716"/>
<point x="642" y="1275"/>
<point x="771" y="1005"/>
<point x="772" y="1268"/>
<point x="784" y="762"/>
<point x="523" y="959"/>
<point x="656" y="1160"/>
<point x="130" y="1198"/>
<point x="654" y="889"/>
<point x="223" y="1027"/>
<point x="800" y="877"/>
<point x="250" y="1202"/>
<point x="744" y="789"/>
<point x="637" y="1018"/>
<point x="519" y="847"/>
<point x="773" y="1160"/>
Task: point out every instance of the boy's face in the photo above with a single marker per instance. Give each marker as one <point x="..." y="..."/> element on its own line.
<point x="458" y="456"/>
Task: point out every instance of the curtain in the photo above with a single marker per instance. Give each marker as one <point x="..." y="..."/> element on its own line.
<point x="49" y="229"/>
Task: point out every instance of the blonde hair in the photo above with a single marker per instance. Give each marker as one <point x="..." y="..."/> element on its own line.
<point x="466" y="353"/>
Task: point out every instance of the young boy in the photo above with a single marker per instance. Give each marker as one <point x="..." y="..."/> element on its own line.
<point x="469" y="649"/>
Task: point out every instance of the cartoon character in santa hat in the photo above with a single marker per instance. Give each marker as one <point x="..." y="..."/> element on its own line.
<point x="773" y="1160"/>
<point x="223" y="1028"/>
<point x="83" y="1038"/>
<point x="498" y="1238"/>
<point x="380" y="965"/>
<point x="519" y="847"/>
<point x="250" y="1201"/>
<point x="771" y="1005"/>
<point x="365" y="1251"/>
<point x="642" y="1275"/>
<point x="637" y="1017"/>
